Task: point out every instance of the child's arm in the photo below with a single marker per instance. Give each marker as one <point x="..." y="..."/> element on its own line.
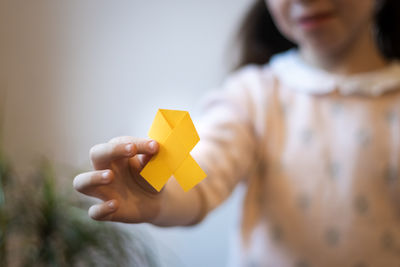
<point x="127" y="196"/>
<point x="232" y="136"/>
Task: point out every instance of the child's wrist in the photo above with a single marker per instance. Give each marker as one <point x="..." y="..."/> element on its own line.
<point x="179" y="208"/>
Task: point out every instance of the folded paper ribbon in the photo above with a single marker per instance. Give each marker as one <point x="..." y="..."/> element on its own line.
<point x="176" y="135"/>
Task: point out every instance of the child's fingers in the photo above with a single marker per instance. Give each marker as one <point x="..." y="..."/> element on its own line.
<point x="103" y="211"/>
<point x="85" y="182"/>
<point x="102" y="155"/>
<point x="143" y="160"/>
<point x="143" y="145"/>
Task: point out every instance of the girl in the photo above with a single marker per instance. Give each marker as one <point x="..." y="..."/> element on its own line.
<point x="313" y="132"/>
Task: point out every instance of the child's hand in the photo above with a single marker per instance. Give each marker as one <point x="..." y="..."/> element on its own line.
<point x="116" y="180"/>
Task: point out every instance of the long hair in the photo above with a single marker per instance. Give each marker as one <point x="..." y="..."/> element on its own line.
<point x="259" y="38"/>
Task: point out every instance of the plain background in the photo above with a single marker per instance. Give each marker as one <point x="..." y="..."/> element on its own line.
<point x="75" y="73"/>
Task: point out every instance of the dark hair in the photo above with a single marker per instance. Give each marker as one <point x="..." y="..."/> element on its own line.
<point x="259" y="38"/>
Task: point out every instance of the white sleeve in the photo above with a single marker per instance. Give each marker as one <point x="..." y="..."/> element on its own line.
<point x="228" y="140"/>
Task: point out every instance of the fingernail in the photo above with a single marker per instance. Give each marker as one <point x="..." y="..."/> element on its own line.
<point x="128" y="148"/>
<point x="153" y="145"/>
<point x="111" y="205"/>
<point x="105" y="176"/>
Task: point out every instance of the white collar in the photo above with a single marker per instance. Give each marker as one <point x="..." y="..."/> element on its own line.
<point x="299" y="76"/>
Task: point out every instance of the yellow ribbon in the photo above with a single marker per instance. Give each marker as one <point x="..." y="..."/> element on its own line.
<point x="176" y="134"/>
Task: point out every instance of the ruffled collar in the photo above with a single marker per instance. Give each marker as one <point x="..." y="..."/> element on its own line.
<point x="298" y="75"/>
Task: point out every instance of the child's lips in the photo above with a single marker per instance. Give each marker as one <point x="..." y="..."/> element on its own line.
<point x="316" y="20"/>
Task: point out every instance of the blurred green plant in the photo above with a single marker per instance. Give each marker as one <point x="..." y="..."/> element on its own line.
<point x="3" y="213"/>
<point x="41" y="226"/>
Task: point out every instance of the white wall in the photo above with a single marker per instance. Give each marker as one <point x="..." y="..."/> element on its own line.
<point x="74" y="73"/>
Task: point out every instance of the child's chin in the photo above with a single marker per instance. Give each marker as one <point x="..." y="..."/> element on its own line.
<point x="323" y="44"/>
